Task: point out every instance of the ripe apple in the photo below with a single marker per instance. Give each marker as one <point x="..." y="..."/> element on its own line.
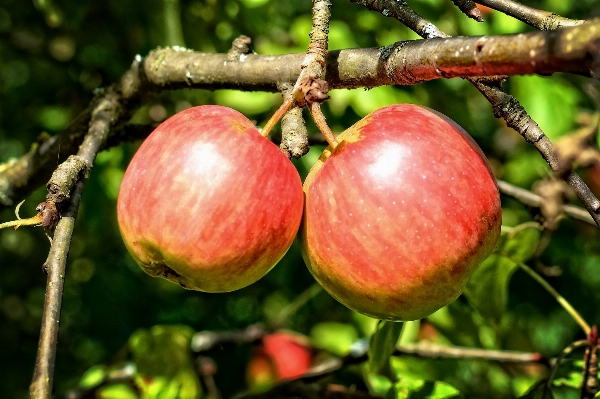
<point x="209" y="203"/>
<point x="400" y="214"/>
<point x="280" y="356"/>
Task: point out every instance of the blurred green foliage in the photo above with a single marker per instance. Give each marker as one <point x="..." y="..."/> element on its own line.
<point x="56" y="53"/>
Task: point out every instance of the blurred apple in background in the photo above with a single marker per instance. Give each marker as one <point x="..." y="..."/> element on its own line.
<point x="279" y="356"/>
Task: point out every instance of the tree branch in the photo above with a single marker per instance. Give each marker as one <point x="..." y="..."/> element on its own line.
<point x="106" y="110"/>
<point x="567" y="50"/>
<point x="469" y="8"/>
<point x="540" y="19"/>
<point x="530" y="199"/>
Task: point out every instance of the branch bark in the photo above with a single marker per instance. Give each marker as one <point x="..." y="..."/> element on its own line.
<point x="540" y="19"/>
<point x="65" y="190"/>
<point x="530" y="199"/>
<point x="568" y="50"/>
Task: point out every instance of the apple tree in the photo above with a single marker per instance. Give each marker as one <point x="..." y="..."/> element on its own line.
<point x="83" y="84"/>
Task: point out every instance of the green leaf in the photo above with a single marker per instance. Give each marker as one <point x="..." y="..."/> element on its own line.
<point x="164" y="363"/>
<point x="419" y="389"/>
<point x="521" y="241"/>
<point x="539" y="391"/>
<point x="55" y="118"/>
<point x="574" y="379"/>
<point x="117" y="391"/>
<point x="556" y="118"/>
<point x="336" y="338"/>
<point x="93" y="377"/>
<point x="487" y="290"/>
<point x="378" y="384"/>
<point x="248" y="103"/>
<point x="382" y="345"/>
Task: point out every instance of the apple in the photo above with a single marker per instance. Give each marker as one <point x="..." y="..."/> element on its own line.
<point x="400" y="214"/>
<point x="291" y="354"/>
<point x="280" y="356"/>
<point x="209" y="203"/>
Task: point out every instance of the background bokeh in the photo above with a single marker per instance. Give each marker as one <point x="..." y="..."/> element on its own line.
<point x="55" y="53"/>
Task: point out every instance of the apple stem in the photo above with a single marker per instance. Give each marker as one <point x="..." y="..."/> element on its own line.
<point x="285" y="106"/>
<point x="319" y="118"/>
<point x="559" y="298"/>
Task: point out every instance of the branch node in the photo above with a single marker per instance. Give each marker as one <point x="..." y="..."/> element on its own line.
<point x="241" y="46"/>
<point x="294" y="137"/>
<point x="469" y="8"/>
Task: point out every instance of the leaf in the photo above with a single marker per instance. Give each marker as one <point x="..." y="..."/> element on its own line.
<point x="539" y="391"/>
<point x="487" y="290"/>
<point x="574" y="379"/>
<point x="92" y="377"/>
<point x="164" y="363"/>
<point x="419" y="389"/>
<point x="521" y="242"/>
<point x="336" y="338"/>
<point x="117" y="391"/>
<point x="383" y="343"/>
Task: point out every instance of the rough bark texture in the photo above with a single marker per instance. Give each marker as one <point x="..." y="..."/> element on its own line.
<point x="571" y="50"/>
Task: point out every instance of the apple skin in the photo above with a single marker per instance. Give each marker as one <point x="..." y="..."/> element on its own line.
<point x="400" y="214"/>
<point x="209" y="203"/>
<point x="291" y="354"/>
<point x="280" y="356"/>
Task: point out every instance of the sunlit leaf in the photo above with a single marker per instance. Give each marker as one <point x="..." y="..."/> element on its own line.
<point x="382" y="345"/>
<point x="539" y="391"/>
<point x="413" y="389"/>
<point x="487" y="290"/>
<point x="165" y="365"/>
<point x="254" y="3"/>
<point x="248" y="103"/>
<point x="521" y="242"/>
<point x="93" y="376"/>
<point x="378" y="384"/>
<point x="336" y="338"/>
<point x="55" y="118"/>
<point x="117" y="391"/>
<point x="554" y="117"/>
<point x="573" y="380"/>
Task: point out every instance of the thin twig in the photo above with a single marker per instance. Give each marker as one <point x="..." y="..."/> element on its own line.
<point x="55" y="265"/>
<point x="540" y="19"/>
<point x="206" y="340"/>
<point x="43" y="375"/>
<point x="455" y="352"/>
<point x="298" y="302"/>
<point x="311" y="67"/>
<point x="469" y="8"/>
<point x="528" y="198"/>
<point x="403" y="63"/>
<point x="559" y="298"/>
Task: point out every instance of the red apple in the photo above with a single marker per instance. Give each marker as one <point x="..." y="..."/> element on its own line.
<point x="290" y="353"/>
<point x="280" y="356"/>
<point x="209" y="203"/>
<point x="400" y="214"/>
